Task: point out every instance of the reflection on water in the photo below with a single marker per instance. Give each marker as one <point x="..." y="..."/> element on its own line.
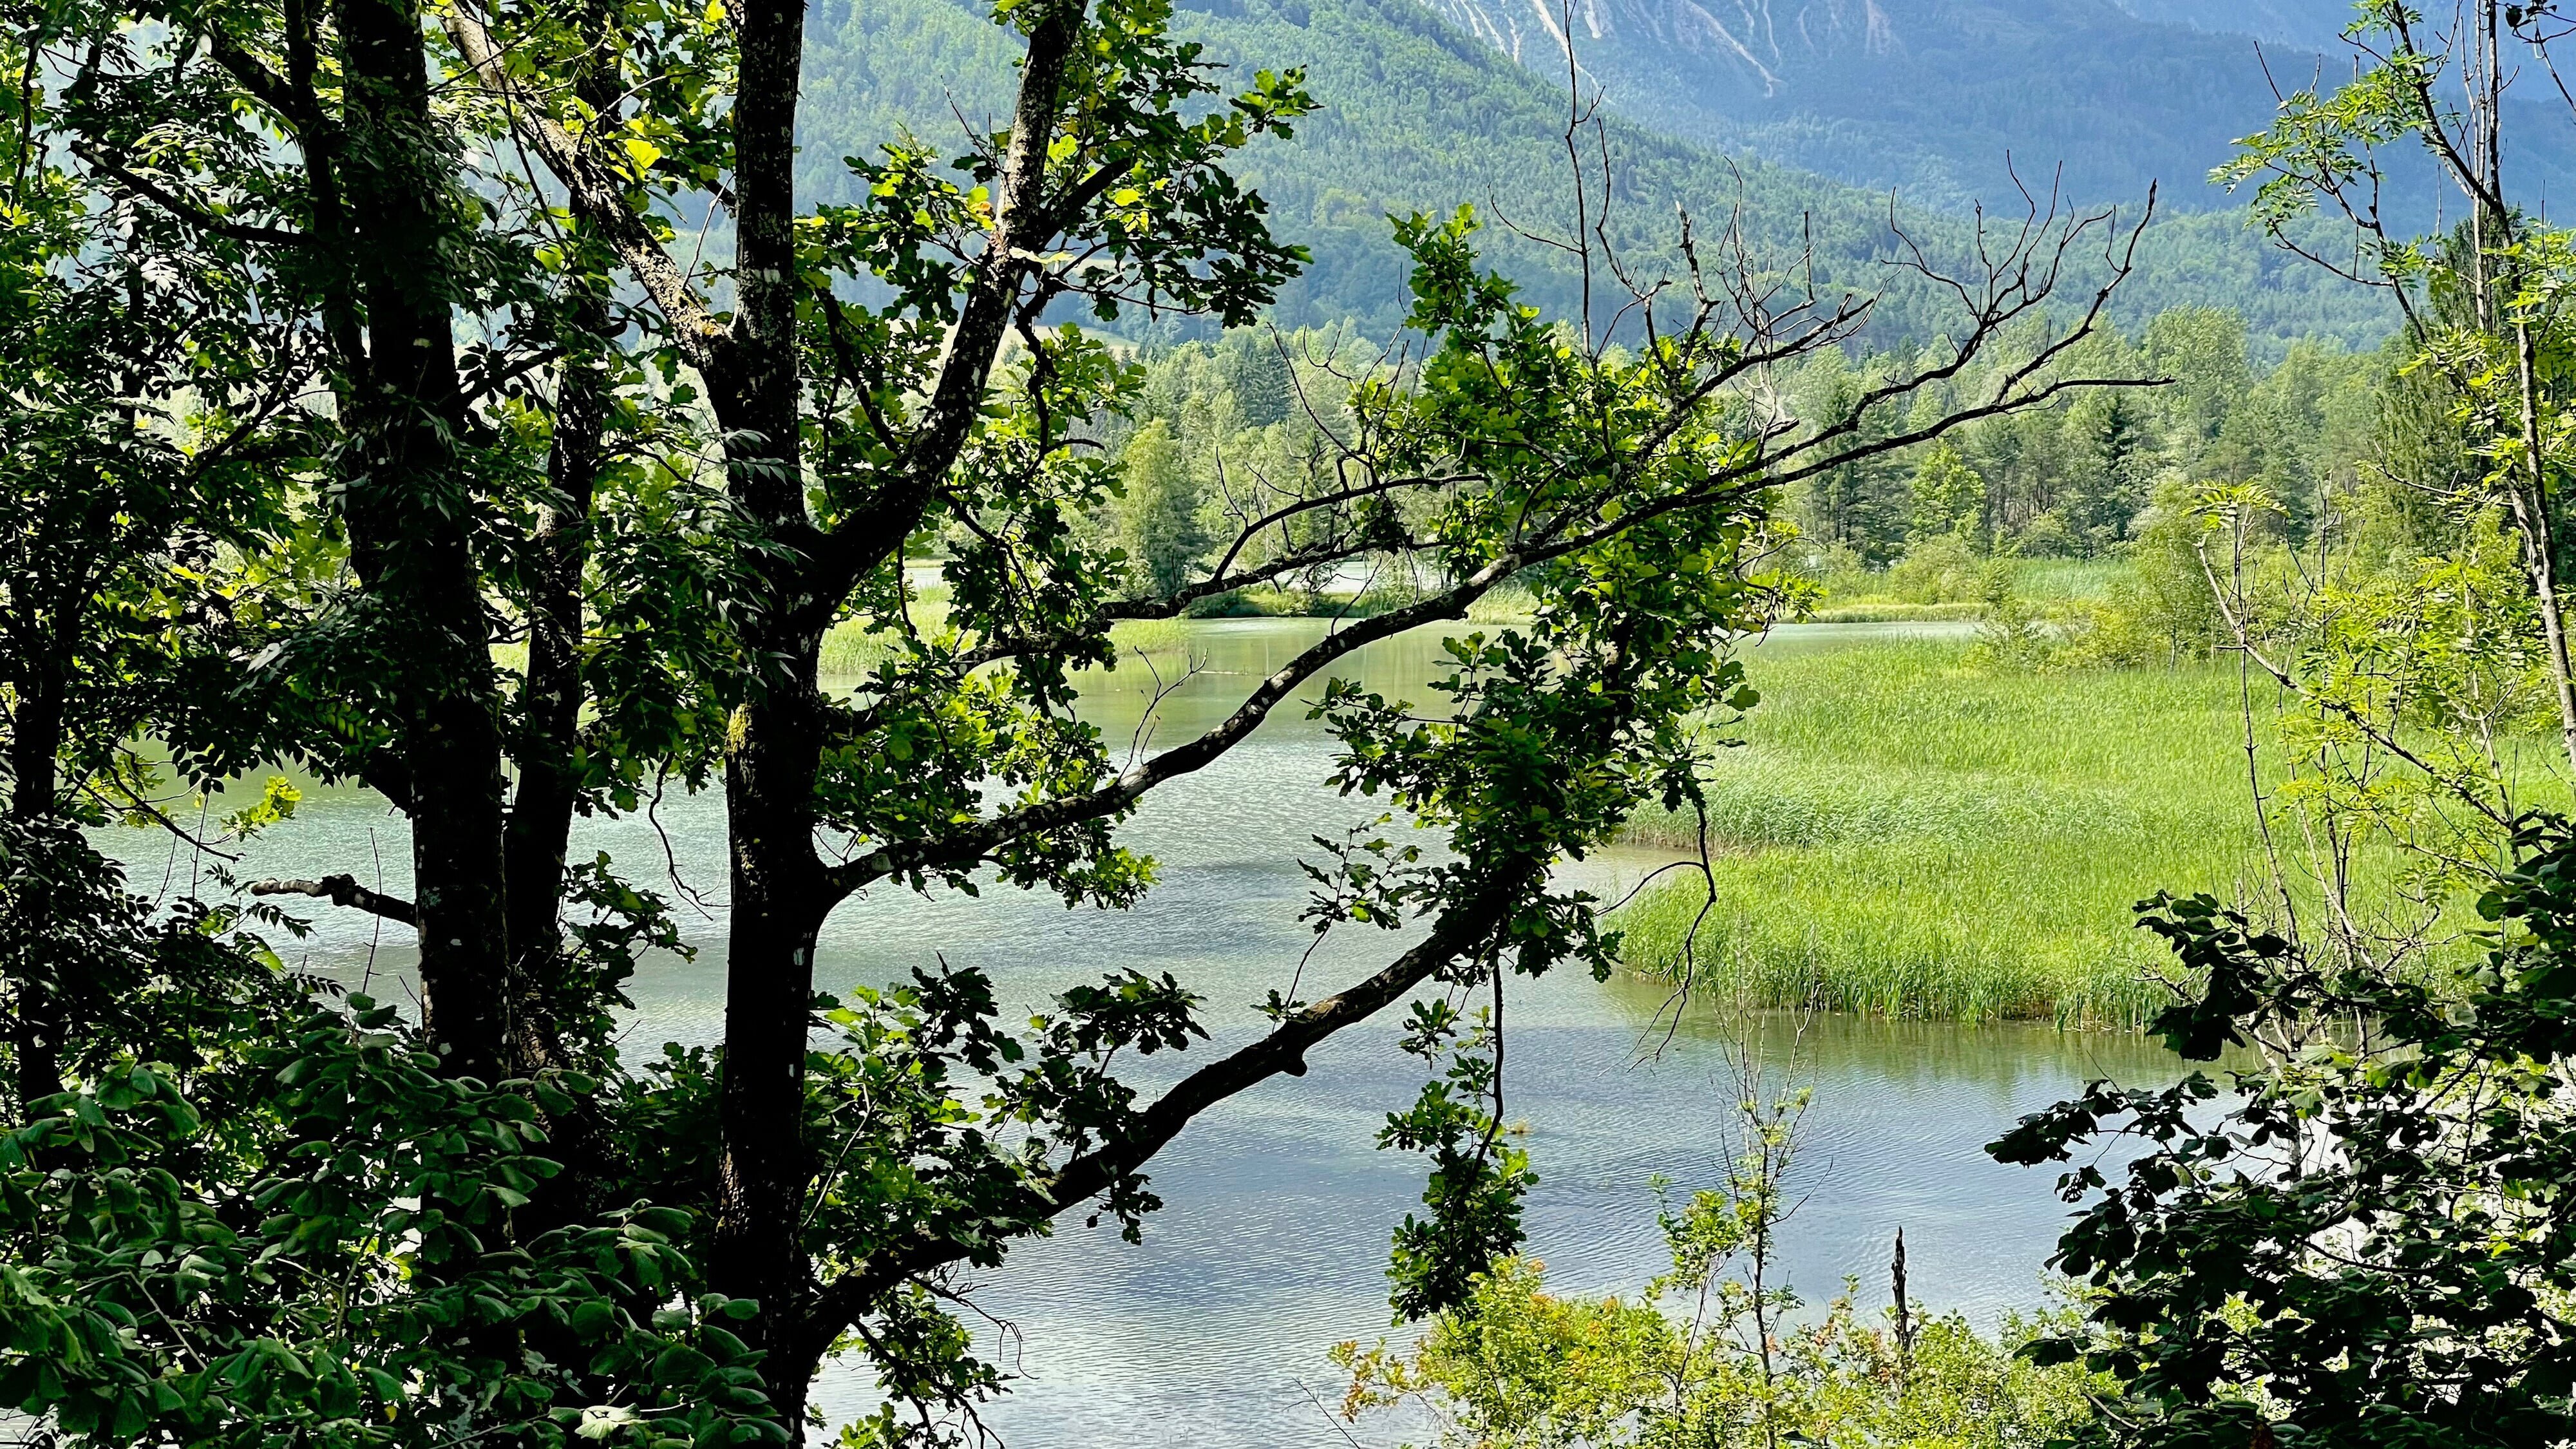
<point x="1273" y="1239"/>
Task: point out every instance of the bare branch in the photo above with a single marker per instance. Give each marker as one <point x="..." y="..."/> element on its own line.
<point x="598" y="194"/>
<point x="341" y="890"/>
<point x="1460" y="932"/>
<point x="188" y="211"/>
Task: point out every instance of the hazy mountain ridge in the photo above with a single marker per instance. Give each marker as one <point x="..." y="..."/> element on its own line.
<point x="1422" y="115"/>
<point x="1740" y="37"/>
<point x="1952" y="102"/>
<point x="2313" y="24"/>
<point x="1743" y="37"/>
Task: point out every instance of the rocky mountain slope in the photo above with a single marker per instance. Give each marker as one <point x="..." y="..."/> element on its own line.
<point x="1423" y="114"/>
<point x="2311" y="24"/>
<point x="1949" y="102"/>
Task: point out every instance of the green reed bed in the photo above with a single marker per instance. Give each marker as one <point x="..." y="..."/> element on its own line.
<point x="1950" y="581"/>
<point x="1893" y="612"/>
<point x="1904" y="834"/>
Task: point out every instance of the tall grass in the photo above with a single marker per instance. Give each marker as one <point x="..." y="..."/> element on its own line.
<point x="1945" y="579"/>
<point x="2043" y="579"/>
<point x="1905" y="835"/>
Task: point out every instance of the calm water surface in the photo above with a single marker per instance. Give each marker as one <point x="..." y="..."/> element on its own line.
<point x="1272" y="1243"/>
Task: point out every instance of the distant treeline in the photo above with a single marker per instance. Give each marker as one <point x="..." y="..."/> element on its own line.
<point x="1217" y="426"/>
<point x="2079" y="478"/>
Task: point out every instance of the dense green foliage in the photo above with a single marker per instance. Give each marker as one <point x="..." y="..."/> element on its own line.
<point x="2367" y="1244"/>
<point x="2100" y="473"/>
<point x="262" y="1215"/>
<point x="2360" y="1239"/>
<point x="235" y="1211"/>
<point x="377" y="404"/>
<point x="2094" y="475"/>
<point x="1526" y="1367"/>
<point x="556" y="512"/>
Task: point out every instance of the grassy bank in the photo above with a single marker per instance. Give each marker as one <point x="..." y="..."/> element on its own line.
<point x="850" y="650"/>
<point x="1948" y="580"/>
<point x="1892" y="612"/>
<point x="1907" y="835"/>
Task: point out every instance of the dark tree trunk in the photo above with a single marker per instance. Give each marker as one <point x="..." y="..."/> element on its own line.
<point x="778" y="886"/>
<point x="775" y="746"/>
<point x="539" y="832"/>
<point x="35" y="743"/>
<point x="410" y="502"/>
<point x="780" y="890"/>
<point x="547" y="1010"/>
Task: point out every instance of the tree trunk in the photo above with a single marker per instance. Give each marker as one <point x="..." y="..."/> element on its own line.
<point x="35" y="741"/>
<point x="777" y="889"/>
<point x="773" y="757"/>
<point x="409" y="506"/>
<point x="539" y="832"/>
<point x="2540" y="544"/>
<point x="2493" y="230"/>
<point x="775" y="743"/>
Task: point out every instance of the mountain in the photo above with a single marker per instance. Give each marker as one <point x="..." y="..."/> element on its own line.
<point x="2308" y="24"/>
<point x="1421" y="114"/>
<point x="1951" y="102"/>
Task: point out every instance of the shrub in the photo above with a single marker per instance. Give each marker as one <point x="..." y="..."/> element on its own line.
<point x="1715" y="1352"/>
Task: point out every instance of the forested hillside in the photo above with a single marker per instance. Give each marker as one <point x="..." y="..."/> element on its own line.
<point x="1943" y="100"/>
<point x="2315" y="24"/>
<point x="1419" y="115"/>
<point x="1928" y="96"/>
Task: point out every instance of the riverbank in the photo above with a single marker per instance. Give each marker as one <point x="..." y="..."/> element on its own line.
<point x="851" y="650"/>
<point x="1906" y="834"/>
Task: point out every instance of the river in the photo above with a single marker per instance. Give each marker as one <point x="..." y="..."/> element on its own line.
<point x="1272" y="1242"/>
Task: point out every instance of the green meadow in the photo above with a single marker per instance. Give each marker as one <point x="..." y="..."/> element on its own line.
<point x="1904" y="833"/>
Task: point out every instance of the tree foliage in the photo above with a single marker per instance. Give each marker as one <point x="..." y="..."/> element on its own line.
<point x="577" y="498"/>
<point x="2358" y="1240"/>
